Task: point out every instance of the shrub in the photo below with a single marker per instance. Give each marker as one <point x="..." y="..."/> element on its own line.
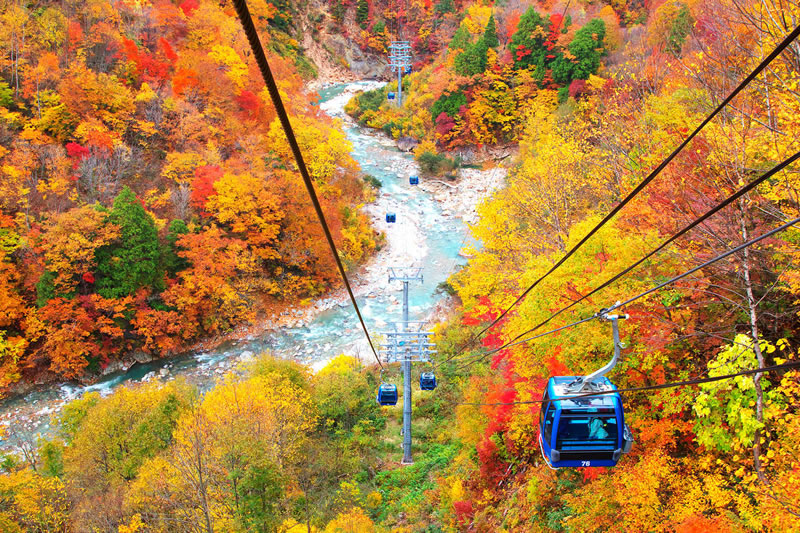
<point x="449" y="103"/>
<point x="373" y="181"/>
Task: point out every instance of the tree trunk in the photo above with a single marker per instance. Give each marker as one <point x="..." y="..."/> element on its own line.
<point x="753" y="315"/>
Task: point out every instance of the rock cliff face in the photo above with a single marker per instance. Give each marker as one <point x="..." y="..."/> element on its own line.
<point x="363" y="65"/>
<point x="337" y="56"/>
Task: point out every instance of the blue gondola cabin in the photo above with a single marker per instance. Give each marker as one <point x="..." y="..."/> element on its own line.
<point x="390" y="97"/>
<point x="413" y="180"/>
<point x="391" y="218"/>
<point x="581" y="432"/>
<point x="407" y="71"/>
<point x="427" y="381"/>
<point x="387" y="394"/>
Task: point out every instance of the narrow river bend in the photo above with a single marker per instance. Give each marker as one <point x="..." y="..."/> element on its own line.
<point x="424" y="236"/>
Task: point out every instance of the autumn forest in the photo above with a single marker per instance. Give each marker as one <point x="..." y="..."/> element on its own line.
<point x="150" y="205"/>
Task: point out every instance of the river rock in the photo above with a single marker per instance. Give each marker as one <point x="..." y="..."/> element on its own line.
<point x="246" y="356"/>
<point x="141" y="357"/>
<point x="117" y="365"/>
<point x="407" y="144"/>
<point x="45" y="377"/>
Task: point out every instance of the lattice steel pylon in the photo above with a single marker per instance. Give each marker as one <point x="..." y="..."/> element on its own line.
<point x="406" y="344"/>
<point x="400" y="60"/>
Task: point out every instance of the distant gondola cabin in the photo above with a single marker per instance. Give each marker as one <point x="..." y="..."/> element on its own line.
<point x="387" y="394"/>
<point x="413" y="180"/>
<point x="391" y="218"/>
<point x="427" y="381"/>
<point x="390" y="96"/>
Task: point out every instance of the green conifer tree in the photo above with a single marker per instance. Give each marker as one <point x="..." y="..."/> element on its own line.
<point x="587" y="47"/>
<point x="473" y="60"/>
<point x="445" y="6"/>
<point x="490" y="34"/>
<point x="527" y="43"/>
<point x="362" y="13"/>
<point x="460" y="39"/>
<point x="134" y="261"/>
<point x="172" y="261"/>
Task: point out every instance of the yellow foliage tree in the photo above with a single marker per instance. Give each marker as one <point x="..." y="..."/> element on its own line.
<point x="248" y="206"/>
<point x="326" y="150"/>
<point x="232" y="457"/>
<point x="354" y="520"/>
<point x="227" y="57"/>
<point x="31" y="502"/>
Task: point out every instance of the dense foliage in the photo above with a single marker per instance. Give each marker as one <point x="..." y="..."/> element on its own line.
<point x="595" y="101"/>
<point x="711" y="458"/>
<point x="270" y="447"/>
<point x="147" y="196"/>
<point x="488" y="73"/>
<point x="592" y="98"/>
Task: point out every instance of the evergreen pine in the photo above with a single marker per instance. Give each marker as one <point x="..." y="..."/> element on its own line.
<point x="172" y="261"/>
<point x="587" y="48"/>
<point x="473" y="60"/>
<point x="490" y="34"/>
<point x="445" y="6"/>
<point x="362" y="13"/>
<point x="680" y="28"/>
<point x="134" y="261"/>
<point x="449" y="103"/>
<point x="460" y="40"/>
<point x="527" y="43"/>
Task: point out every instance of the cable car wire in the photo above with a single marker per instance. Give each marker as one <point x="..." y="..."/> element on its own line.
<point x="261" y="59"/>
<point x="744" y="190"/>
<point x="761" y="66"/>
<point x="728" y="201"/>
<point x="642" y="294"/>
<point x="672" y="385"/>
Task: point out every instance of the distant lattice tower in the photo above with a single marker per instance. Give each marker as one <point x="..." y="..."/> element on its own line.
<point x="400" y="60"/>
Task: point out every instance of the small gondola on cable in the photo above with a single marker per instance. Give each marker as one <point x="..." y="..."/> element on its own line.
<point x="387" y="394"/>
<point x="413" y="180"/>
<point x="391" y="218"/>
<point x="576" y="430"/>
<point x="390" y="96"/>
<point x="427" y="381"/>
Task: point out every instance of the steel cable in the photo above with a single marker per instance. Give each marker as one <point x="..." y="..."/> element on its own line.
<point x="261" y="59"/>
<point x="777" y="51"/>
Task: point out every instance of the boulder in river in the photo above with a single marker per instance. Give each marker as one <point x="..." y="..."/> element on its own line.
<point x="407" y="144"/>
<point x="141" y="357"/>
<point x="117" y="365"/>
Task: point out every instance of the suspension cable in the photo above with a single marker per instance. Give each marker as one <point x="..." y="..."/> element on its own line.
<point x="643" y="294"/>
<point x="672" y="385"/>
<point x="728" y="201"/>
<point x="777" y="51"/>
<point x="258" y="51"/>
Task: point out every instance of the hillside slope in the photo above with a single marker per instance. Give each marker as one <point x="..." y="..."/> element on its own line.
<point x="147" y="195"/>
